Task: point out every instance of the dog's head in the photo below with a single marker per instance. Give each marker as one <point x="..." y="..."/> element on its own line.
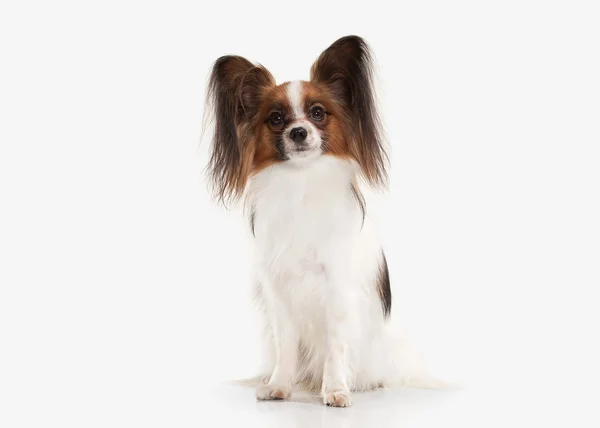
<point x="259" y="123"/>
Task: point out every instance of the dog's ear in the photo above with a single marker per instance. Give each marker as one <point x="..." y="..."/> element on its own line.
<point x="235" y="92"/>
<point x="346" y="69"/>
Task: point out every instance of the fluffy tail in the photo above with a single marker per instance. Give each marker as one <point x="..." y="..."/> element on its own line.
<point x="408" y="369"/>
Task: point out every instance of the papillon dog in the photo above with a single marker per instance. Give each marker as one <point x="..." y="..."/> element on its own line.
<point x="298" y="153"/>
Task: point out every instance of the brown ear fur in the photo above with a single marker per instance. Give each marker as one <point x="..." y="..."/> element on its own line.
<point x="235" y="92"/>
<point x="346" y="68"/>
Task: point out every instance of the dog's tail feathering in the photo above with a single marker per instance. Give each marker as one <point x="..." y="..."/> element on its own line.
<point x="408" y="369"/>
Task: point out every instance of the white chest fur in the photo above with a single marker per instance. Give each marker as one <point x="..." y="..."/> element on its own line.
<point x="306" y="225"/>
<point x="316" y="259"/>
<point x="299" y="212"/>
<point x="318" y="263"/>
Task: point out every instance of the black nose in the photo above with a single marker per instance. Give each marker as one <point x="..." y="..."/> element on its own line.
<point x="298" y="135"/>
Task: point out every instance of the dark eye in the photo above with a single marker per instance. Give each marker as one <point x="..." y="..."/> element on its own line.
<point x="275" y="118"/>
<point x="317" y="113"/>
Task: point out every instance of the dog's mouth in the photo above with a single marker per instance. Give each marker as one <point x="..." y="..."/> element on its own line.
<point x="303" y="151"/>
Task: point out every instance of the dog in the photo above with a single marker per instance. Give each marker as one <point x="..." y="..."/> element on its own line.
<point x="298" y="155"/>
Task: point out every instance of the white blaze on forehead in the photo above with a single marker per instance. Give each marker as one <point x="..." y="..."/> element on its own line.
<point x="294" y="93"/>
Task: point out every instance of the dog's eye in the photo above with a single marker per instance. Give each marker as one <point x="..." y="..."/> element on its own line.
<point x="317" y="113"/>
<point x="275" y="118"/>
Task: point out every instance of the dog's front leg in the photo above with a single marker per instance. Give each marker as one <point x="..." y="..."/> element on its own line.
<point x="285" y="341"/>
<point x="339" y="313"/>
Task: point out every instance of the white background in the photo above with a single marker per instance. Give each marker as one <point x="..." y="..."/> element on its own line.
<point x="124" y="290"/>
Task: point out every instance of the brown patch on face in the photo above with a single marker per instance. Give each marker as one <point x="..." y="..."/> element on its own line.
<point x="335" y="140"/>
<point x="268" y="138"/>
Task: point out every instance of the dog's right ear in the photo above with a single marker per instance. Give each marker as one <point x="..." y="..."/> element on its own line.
<point x="235" y="92"/>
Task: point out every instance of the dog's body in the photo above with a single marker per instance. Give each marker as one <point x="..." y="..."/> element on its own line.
<point x="297" y="152"/>
<point x="320" y="271"/>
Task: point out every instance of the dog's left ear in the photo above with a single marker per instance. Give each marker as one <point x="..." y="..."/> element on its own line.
<point x="346" y="69"/>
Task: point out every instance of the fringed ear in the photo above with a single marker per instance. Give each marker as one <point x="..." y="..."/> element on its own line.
<point x="346" y="68"/>
<point x="234" y="95"/>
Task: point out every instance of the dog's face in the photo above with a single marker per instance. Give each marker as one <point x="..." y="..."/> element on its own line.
<point x="299" y="122"/>
<point x="259" y="123"/>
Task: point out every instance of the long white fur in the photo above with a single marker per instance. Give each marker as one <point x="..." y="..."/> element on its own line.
<point x="316" y="266"/>
<point x="317" y="262"/>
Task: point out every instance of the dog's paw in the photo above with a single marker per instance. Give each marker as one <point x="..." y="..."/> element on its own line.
<point x="338" y="398"/>
<point x="272" y="392"/>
